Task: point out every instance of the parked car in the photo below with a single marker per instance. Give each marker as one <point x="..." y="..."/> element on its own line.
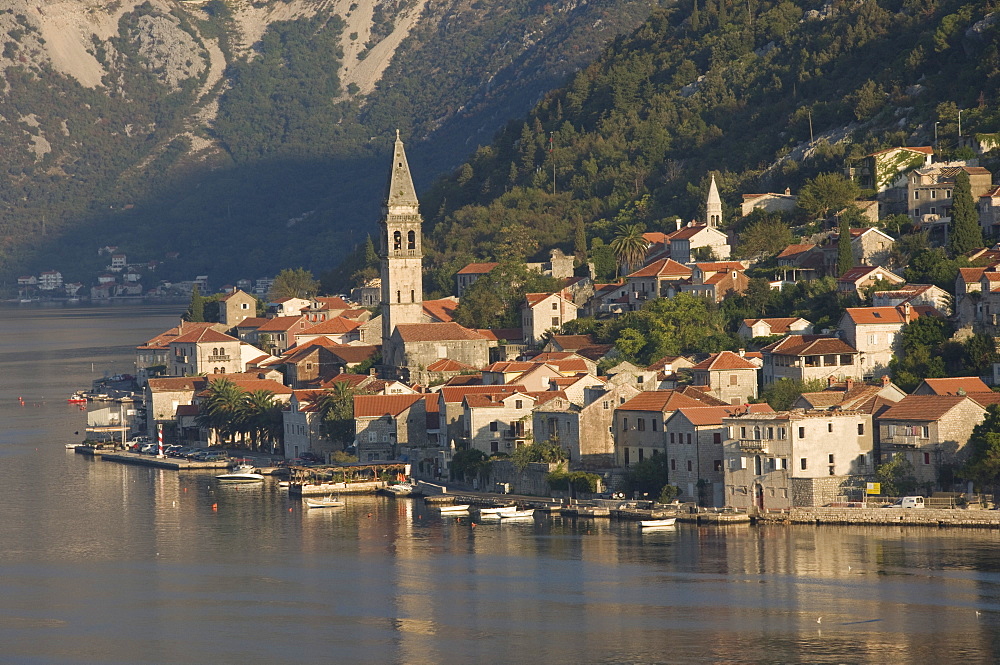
<point x="148" y="449"/>
<point x="179" y="451"/>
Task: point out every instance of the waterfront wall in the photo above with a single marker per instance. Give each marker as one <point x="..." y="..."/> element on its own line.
<point x="888" y="516"/>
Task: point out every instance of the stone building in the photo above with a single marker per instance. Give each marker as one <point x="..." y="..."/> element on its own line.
<point x="499" y="423"/>
<point x="876" y="333"/>
<point x="389" y="426"/>
<point x="929" y="188"/>
<point x="930" y="432"/>
<point x="796" y="458"/>
<point x="205" y="351"/>
<point x="693" y="446"/>
<point x="583" y="424"/>
<point x="235" y="307"/>
<point x="751" y="328"/>
<point x="468" y="275"/>
<point x="727" y="376"/>
<point x="415" y="346"/>
<point x="810" y="357"/>
<point x="164" y="395"/>
<point x="542" y="312"/>
<point x="639" y="422"/>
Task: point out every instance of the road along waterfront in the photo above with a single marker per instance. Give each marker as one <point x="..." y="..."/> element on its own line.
<point x="109" y="563"/>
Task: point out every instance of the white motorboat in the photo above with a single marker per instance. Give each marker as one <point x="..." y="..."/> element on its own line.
<point x="454" y="508"/>
<point x="518" y="514"/>
<point x="657" y="524"/>
<point x="324" y="502"/>
<point x="497" y="511"/>
<point x="242" y="473"/>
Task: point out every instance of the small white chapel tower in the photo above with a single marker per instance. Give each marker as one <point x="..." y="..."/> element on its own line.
<point x="713" y="207"/>
<point x="400" y="250"/>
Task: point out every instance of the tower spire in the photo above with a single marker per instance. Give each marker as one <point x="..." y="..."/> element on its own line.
<point x="713" y="206"/>
<point x="402" y="197"/>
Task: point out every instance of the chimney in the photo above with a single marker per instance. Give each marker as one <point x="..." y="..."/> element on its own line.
<point x="788" y="191"/>
<point x="678" y="223"/>
<point x="371" y="372"/>
<point x="829" y="382"/>
<point x="906" y="312"/>
<point x="850" y="383"/>
<point x="743" y="353"/>
<point x="885" y="380"/>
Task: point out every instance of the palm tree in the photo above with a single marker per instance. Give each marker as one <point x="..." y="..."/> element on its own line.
<point x="336" y="407"/>
<point x="261" y="417"/>
<point x="629" y="246"/>
<point x="220" y="411"/>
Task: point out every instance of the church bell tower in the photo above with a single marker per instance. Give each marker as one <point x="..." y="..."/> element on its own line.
<point x="401" y="252"/>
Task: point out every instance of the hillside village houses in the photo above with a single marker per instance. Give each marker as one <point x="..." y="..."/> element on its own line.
<point x="424" y="388"/>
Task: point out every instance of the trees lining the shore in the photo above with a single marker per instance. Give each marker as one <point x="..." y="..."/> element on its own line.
<point x="238" y="417"/>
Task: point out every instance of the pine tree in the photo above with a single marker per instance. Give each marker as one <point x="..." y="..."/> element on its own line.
<point x="966" y="234"/>
<point x="695" y="20"/>
<point x="371" y="257"/>
<point x="845" y="253"/>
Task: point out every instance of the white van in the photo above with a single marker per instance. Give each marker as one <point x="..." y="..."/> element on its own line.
<point x="910" y="502"/>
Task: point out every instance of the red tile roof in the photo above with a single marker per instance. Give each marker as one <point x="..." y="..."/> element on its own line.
<point x="334" y="326"/>
<point x="712" y="415"/>
<point x="443" y="310"/>
<point x="204" y="335"/>
<point x="532" y="299"/>
<point x="795" y="250"/>
<point x="809" y="345"/>
<point x="435" y="332"/>
<point x="502" y="334"/>
<point x="858" y="273"/>
<point x="283" y="324"/>
<point x="867" y="315"/>
<point x="663" y="268"/>
<point x="187" y="410"/>
<point x="449" y="365"/>
<point x="658" y="400"/>
<point x="376" y="406"/>
<point x="252" y="322"/>
<point x="923" y="407"/>
<point x="726" y="360"/>
<point x="177" y="383"/>
<point x="477" y="268"/>
<point x="702" y="396"/>
<point x="353" y="353"/>
<point x="970" y="275"/>
<point x="458" y="393"/>
<point x="951" y="386"/>
<point x="779" y="326"/>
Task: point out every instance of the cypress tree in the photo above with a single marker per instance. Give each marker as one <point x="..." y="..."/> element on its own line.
<point x="845" y="254"/>
<point x="196" y="309"/>
<point x="966" y="233"/>
<point x="580" y="240"/>
<point x="371" y="256"/>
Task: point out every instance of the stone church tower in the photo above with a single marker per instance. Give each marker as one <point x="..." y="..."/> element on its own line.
<point x="401" y="252"/>
<point x="713" y="207"/>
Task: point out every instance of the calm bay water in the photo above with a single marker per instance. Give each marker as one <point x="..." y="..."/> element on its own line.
<point x="101" y="563"/>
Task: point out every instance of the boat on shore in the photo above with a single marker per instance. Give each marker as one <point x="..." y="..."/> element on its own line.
<point x="658" y="524"/>
<point x="242" y="473"/>
<point x="322" y="502"/>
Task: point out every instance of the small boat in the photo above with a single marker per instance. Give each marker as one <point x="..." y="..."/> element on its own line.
<point x="72" y="446"/>
<point x="399" y="489"/>
<point x="243" y="473"/>
<point x="324" y="502"/>
<point x="76" y="398"/>
<point x="518" y="514"/>
<point x="657" y="524"/>
<point x="497" y="511"/>
<point x="454" y="508"/>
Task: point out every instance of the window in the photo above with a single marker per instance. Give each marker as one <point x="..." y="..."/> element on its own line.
<point x="494" y="446"/>
<point x="494" y="426"/>
<point x="518" y="404"/>
<point x="717" y="465"/>
<point x="397" y="240"/>
<point x="802" y="463"/>
<point x="411" y="240"/>
<point x="673" y="465"/>
<point x="641" y="425"/>
<point x="555" y="306"/>
<point x="413" y="296"/>
<point x="743" y="432"/>
<point x="802" y="432"/>
<point x="772" y="464"/>
<point x="716" y="437"/>
<point x="846" y="359"/>
<point x="927" y="458"/>
<point x="734" y="380"/>
<point x="831" y="458"/>
<point x="784" y="463"/>
<point x="829" y="427"/>
<point x="925" y="432"/>
<point x="689" y="438"/>
<point x="654" y="424"/>
<point x="933" y="193"/>
<point x="606" y="406"/>
<point x="916" y="195"/>
<point x="555" y="321"/>
<point x="743" y="462"/>
<point x="861" y="429"/>
<point x="640" y="454"/>
<point x="625" y="424"/>
<point x="671" y="437"/>
<point x="689" y="465"/>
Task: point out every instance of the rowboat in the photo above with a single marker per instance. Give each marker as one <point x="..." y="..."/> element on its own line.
<point x="657" y="524"/>
<point x="497" y="511"/>
<point x="518" y="514"/>
<point x="325" y="502"/>
<point x="455" y="508"/>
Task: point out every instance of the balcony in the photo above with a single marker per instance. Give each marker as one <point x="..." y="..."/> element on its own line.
<point x="903" y="440"/>
<point x="218" y="359"/>
<point x="756" y="446"/>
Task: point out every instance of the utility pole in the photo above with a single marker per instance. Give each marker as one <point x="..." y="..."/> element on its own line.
<point x="552" y="155"/>
<point x="959" y="124"/>
<point x="935" y="136"/>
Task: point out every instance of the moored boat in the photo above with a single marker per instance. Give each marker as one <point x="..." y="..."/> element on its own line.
<point x="323" y="502"/>
<point x="658" y="524"/>
<point x="496" y="511"/>
<point x="518" y="514"/>
<point x="242" y="473"/>
<point x="454" y="508"/>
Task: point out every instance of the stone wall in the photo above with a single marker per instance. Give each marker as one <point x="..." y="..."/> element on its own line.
<point x="531" y="481"/>
<point x="819" y="491"/>
<point x="892" y="516"/>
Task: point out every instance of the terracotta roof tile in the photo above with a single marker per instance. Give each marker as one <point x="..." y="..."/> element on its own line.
<point x="951" y="386"/>
<point x="923" y="407"/>
<point x="283" y="324"/>
<point x="663" y="268"/>
<point x="874" y="315"/>
<point x="177" y="383"/>
<point x="702" y="416"/>
<point x="376" y="406"/>
<point x="658" y="400"/>
<point x="779" y="326"/>
<point x="205" y="335"/>
<point x="458" y="393"/>
<point x="443" y="309"/>
<point x="726" y="360"/>
<point x="435" y="332"/>
<point x="449" y="365"/>
<point x="477" y="268"/>
<point x="334" y="326"/>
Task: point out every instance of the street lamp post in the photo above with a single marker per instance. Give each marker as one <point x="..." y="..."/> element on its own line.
<point x="935" y="136"/>
<point x="959" y="124"/>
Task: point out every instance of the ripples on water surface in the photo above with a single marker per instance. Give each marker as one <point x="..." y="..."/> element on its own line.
<point x="101" y="563"/>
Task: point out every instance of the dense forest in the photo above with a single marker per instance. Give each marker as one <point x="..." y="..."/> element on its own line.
<point x="765" y="95"/>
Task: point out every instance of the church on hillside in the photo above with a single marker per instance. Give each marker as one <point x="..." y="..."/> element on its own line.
<point x="409" y="342"/>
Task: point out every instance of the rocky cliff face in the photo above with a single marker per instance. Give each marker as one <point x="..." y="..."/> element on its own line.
<point x="106" y="104"/>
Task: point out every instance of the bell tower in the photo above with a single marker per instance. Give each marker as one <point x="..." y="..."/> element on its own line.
<point x="713" y="206"/>
<point x="400" y="250"/>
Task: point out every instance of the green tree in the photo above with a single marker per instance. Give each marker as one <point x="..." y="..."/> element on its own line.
<point x="648" y="477"/>
<point x="293" y="283"/>
<point x="221" y="410"/>
<point x="629" y="246"/>
<point x="261" y="419"/>
<point x="538" y="451"/>
<point x="766" y="237"/>
<point x="781" y="394"/>
<point x="468" y="465"/>
<point x="196" y="308"/>
<point x="845" y="252"/>
<point x="921" y="355"/>
<point x="983" y="464"/>
<point x="827" y="193"/>
<point x="966" y="234"/>
<point x="494" y="300"/>
<point x="336" y="408"/>
<point x="896" y="477"/>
